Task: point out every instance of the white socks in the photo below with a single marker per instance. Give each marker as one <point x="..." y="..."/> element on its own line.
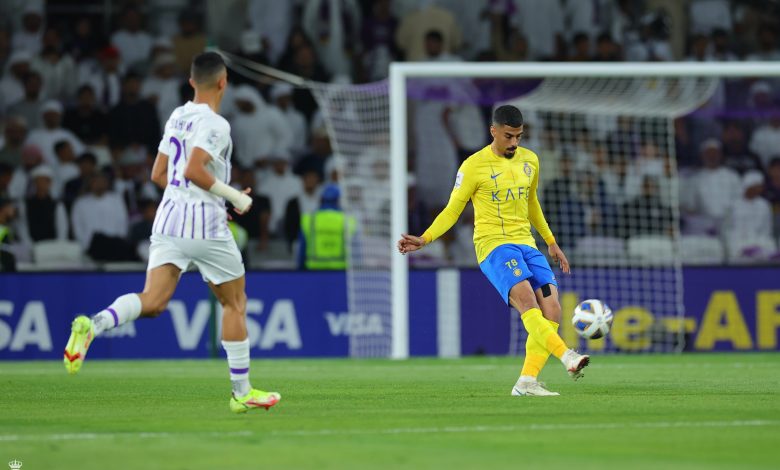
<point x="124" y="309"/>
<point x="238" y="361"/>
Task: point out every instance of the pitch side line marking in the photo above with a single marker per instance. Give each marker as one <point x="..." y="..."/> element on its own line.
<point x="393" y="431"/>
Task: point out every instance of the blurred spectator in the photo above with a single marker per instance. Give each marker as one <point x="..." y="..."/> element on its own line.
<point x="708" y="15"/>
<point x="28" y="39"/>
<point x="767" y="45"/>
<point x="434" y="48"/>
<point x="58" y="71"/>
<point x="162" y="87"/>
<point x="474" y="19"/>
<point x="85" y="40"/>
<point x="15" y="135"/>
<point x="100" y="223"/>
<point x="295" y="41"/>
<point x="334" y="28"/>
<point x="646" y="214"/>
<point x="19" y="185"/>
<point x="280" y="185"/>
<point x="649" y="162"/>
<point x="418" y="214"/>
<point x="133" y="122"/>
<point x="325" y="233"/>
<point x="699" y="49"/>
<point x="721" y="48"/>
<point x="411" y="33"/>
<point x="104" y="77"/>
<point x="86" y="120"/>
<point x="772" y="192"/>
<point x="256" y="221"/>
<point x="606" y="49"/>
<point x="52" y="132"/>
<point x="190" y="41"/>
<point x="133" y="182"/>
<point x="317" y="158"/>
<point x="12" y="83"/>
<point x="600" y="213"/>
<point x="7" y="217"/>
<point x="6" y="175"/>
<point x="281" y="95"/>
<point x="750" y="217"/>
<point x="765" y="141"/>
<point x="134" y="44"/>
<point x="651" y="44"/>
<point x="590" y="17"/>
<point x="306" y="202"/>
<point x="581" y="48"/>
<point x="75" y="187"/>
<point x="259" y="129"/>
<point x="273" y="20"/>
<point x="712" y="190"/>
<point x="509" y="46"/>
<point x="562" y="205"/>
<point x="43" y="217"/>
<point x="541" y="21"/>
<point x="5" y="49"/>
<point x="29" y="108"/>
<point x="305" y="64"/>
<point x="378" y="40"/>
<point x="735" y="149"/>
<point x="66" y="168"/>
<point x="141" y="230"/>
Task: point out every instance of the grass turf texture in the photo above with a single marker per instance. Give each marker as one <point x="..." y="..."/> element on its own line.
<point x="691" y="411"/>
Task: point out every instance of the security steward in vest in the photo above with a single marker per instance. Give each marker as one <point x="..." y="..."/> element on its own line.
<point x="325" y="234"/>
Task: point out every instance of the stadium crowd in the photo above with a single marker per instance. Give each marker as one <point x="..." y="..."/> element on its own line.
<point x="84" y="96"/>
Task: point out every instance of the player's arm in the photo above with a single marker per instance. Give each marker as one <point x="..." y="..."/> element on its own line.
<point x="196" y="172"/>
<point x="465" y="186"/>
<point x="536" y="216"/>
<point x="160" y="170"/>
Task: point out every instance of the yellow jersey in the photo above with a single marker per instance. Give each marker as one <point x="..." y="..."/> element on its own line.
<point x="503" y="191"/>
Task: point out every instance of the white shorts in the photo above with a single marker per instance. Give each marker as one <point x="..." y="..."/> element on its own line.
<point x="218" y="261"/>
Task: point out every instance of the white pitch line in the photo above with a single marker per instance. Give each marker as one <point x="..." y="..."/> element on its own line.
<point x="396" y="431"/>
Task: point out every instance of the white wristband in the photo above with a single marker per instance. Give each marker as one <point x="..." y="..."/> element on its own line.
<point x="239" y="200"/>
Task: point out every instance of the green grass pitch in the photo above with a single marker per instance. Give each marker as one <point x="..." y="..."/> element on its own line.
<point x="706" y="411"/>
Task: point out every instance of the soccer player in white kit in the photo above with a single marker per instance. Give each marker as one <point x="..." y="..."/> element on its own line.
<point x="193" y="166"/>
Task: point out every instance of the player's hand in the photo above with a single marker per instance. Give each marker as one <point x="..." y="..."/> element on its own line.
<point x="409" y="243"/>
<point x="247" y="203"/>
<point x="557" y="254"/>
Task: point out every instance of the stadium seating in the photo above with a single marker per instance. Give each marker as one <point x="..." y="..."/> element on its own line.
<point x="651" y="250"/>
<point x="699" y="249"/>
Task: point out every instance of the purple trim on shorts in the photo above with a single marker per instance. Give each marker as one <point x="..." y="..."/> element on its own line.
<point x="113" y="314"/>
<point x="203" y="215"/>
<point x="183" y="221"/>
<point x="162" y="229"/>
<point x="192" y="232"/>
<point x="159" y="216"/>
<point x="239" y="371"/>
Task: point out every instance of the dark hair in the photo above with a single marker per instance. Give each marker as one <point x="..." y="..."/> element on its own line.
<point x="85" y="88"/>
<point x="604" y="37"/>
<point x="61" y="144"/>
<point x="434" y="34"/>
<point x="580" y="37"/>
<point x="507" y="115"/>
<point x="206" y="66"/>
<point x="6" y="169"/>
<point x="87" y="156"/>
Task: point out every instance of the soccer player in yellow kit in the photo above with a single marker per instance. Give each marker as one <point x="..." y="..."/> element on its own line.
<point x="501" y="181"/>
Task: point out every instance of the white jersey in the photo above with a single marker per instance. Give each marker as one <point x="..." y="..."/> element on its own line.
<point x="187" y="211"/>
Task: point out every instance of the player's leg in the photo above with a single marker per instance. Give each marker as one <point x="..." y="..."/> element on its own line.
<point x="231" y="295"/>
<point x="219" y="261"/>
<point x="536" y="354"/>
<point x="523" y="298"/>
<point x="159" y="287"/>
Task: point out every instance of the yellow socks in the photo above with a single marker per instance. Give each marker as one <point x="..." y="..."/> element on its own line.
<point x="540" y="328"/>
<point x="535" y="354"/>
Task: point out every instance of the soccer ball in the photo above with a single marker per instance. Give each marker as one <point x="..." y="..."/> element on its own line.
<point x="592" y="319"/>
